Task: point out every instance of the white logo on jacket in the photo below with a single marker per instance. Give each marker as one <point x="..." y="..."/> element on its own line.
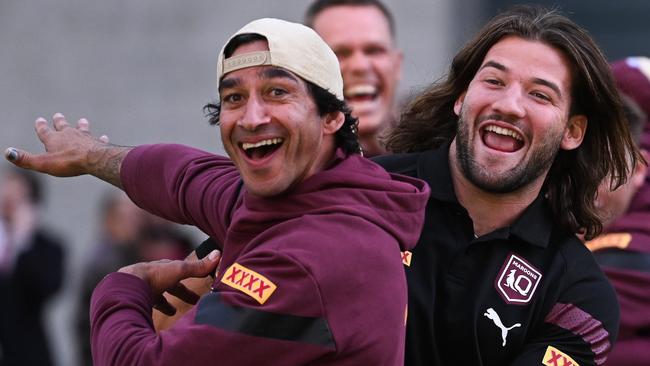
<point x="491" y="314"/>
<point x="517" y="280"/>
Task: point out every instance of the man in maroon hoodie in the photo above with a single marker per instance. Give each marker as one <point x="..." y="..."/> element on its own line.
<point x="624" y="250"/>
<point x="310" y="269"/>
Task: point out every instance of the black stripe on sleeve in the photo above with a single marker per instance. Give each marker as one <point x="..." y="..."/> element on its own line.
<point x="256" y="322"/>
<point x="206" y="247"/>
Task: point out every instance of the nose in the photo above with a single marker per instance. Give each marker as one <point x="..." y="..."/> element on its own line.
<point x="357" y="63"/>
<point x="255" y="114"/>
<point x="510" y="102"/>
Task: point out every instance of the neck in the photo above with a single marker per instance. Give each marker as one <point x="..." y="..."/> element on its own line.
<point x="371" y="145"/>
<point x="490" y="211"/>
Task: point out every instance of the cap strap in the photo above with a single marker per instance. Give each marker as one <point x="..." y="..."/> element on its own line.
<point x="246" y="60"/>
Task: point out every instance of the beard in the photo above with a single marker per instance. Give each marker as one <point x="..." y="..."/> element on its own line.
<point x="541" y="159"/>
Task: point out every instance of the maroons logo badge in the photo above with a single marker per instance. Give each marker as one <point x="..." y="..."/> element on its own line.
<point x="517" y="280"/>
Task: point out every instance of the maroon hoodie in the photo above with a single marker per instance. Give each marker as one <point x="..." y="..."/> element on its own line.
<point x="628" y="265"/>
<point x="313" y="276"/>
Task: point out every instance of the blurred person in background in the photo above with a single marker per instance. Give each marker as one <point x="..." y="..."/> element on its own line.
<point x="163" y="241"/>
<point x="160" y="241"/>
<point x="31" y="271"/>
<point x="623" y="251"/>
<point x="362" y="35"/>
<point x="128" y="235"/>
<point x="121" y="224"/>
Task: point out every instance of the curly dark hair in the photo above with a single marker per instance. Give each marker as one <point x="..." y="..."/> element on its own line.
<point x="326" y="102"/>
<point x="429" y="120"/>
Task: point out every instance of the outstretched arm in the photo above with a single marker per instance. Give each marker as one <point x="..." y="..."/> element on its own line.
<point x="71" y="151"/>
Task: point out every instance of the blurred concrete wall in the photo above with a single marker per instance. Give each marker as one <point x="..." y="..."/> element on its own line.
<point x="141" y="71"/>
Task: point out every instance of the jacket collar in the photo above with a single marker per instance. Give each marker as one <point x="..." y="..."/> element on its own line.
<point x="534" y="226"/>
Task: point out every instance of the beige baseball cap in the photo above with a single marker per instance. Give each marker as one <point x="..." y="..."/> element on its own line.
<point x="292" y="46"/>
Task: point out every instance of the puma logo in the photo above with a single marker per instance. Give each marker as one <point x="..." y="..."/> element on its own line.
<point x="491" y="314"/>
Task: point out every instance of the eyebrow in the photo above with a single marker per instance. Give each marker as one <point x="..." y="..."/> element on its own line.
<point x="549" y="84"/>
<point x="276" y="72"/>
<point x="538" y="81"/>
<point x="228" y="83"/>
<point x="266" y="73"/>
<point x="494" y="64"/>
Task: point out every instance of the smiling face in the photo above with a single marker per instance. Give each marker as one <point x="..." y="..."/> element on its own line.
<point x="514" y="116"/>
<point x="370" y="64"/>
<point x="271" y="128"/>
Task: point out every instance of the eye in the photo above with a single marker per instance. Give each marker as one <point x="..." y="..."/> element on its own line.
<point x="343" y="53"/>
<point x="541" y="96"/>
<point x="493" y="81"/>
<point x="278" y="92"/>
<point x="374" y="50"/>
<point x="231" y="98"/>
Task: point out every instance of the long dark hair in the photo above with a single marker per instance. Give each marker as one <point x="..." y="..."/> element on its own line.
<point x="607" y="149"/>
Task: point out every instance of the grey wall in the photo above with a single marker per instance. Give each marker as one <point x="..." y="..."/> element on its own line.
<point x="620" y="28"/>
<point x="141" y="71"/>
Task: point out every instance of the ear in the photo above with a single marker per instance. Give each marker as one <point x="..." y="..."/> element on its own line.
<point x="640" y="171"/>
<point x="458" y="104"/>
<point x="332" y="122"/>
<point x="398" y="57"/>
<point x="574" y="132"/>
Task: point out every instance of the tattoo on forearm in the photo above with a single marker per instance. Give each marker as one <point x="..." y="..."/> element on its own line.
<point x="105" y="162"/>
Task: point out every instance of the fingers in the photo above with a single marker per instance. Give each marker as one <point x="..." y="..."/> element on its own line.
<point x="205" y="266"/>
<point x="59" y="122"/>
<point x="19" y="158"/>
<point x="42" y="129"/>
<point x="12" y="154"/>
<point x="164" y="307"/>
<point x="182" y="292"/>
<point x="83" y="125"/>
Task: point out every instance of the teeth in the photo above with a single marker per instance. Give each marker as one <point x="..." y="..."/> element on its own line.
<point x="360" y="90"/>
<point x="247" y="145"/>
<point x="503" y="131"/>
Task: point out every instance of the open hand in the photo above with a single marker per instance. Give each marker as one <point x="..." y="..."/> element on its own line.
<point x="67" y="149"/>
<point x="165" y="275"/>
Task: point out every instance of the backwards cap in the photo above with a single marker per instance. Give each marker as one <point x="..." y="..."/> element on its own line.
<point x="293" y="47"/>
<point x="633" y="78"/>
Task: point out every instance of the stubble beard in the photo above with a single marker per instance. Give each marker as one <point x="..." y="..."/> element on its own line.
<point x="509" y="180"/>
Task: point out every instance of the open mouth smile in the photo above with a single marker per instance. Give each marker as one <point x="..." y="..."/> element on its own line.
<point x="361" y="93"/>
<point x="502" y="139"/>
<point x="261" y="149"/>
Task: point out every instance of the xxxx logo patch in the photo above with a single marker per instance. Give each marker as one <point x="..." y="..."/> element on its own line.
<point x="249" y="282"/>
<point x="406" y="258"/>
<point x="517" y="280"/>
<point x="555" y="357"/>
